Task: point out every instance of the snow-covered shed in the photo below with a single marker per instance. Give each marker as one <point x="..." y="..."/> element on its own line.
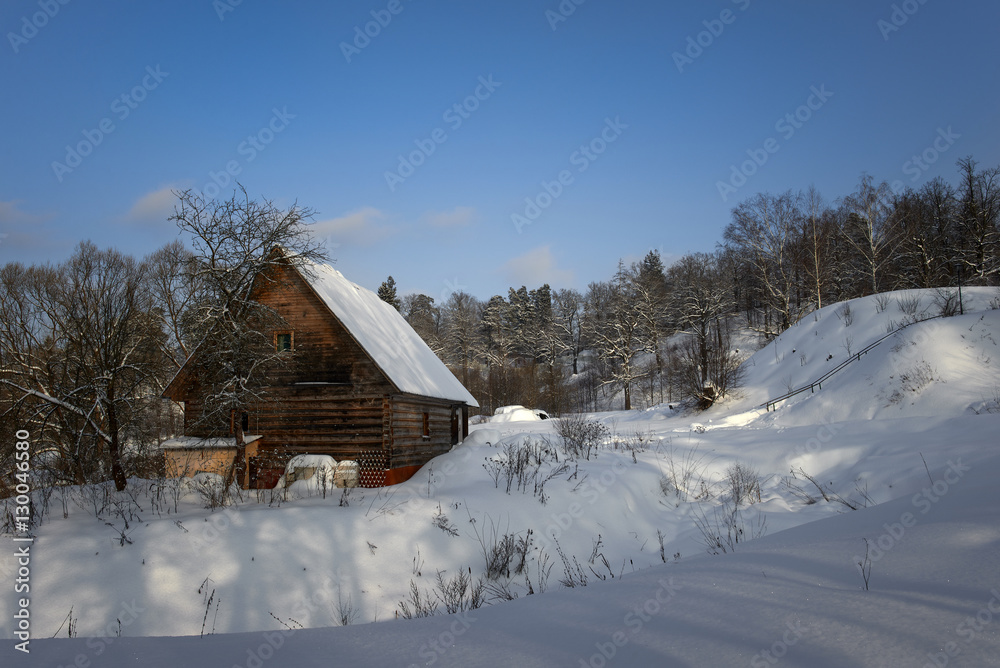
<point x="365" y="387"/>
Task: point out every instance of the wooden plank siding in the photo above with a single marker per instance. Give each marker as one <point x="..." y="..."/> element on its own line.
<point x="342" y="429"/>
<point x="187" y="463"/>
<point x="324" y="351"/>
<point x="410" y="447"/>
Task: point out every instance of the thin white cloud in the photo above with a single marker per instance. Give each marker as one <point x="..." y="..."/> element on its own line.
<point x="363" y="227"/>
<point x="460" y="216"/>
<point x="155" y="206"/>
<point x="22" y="232"/>
<point x="11" y="214"/>
<point x="536" y="267"/>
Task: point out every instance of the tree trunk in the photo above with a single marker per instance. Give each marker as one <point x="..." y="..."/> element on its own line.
<point x="114" y="449"/>
<point x="237" y="468"/>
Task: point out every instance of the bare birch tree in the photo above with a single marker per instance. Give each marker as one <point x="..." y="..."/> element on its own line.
<point x="764" y="231"/>
<point x="870" y="229"/>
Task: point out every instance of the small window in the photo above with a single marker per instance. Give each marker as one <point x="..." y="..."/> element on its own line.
<point x="427" y="425"/>
<point x="282" y="341"/>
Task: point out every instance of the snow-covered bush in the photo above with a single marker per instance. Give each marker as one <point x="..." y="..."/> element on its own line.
<point x="881" y="301"/>
<point x="442" y="522"/>
<point x="419" y="605"/>
<point x="526" y="467"/>
<point x="744" y="483"/>
<point x="683" y="475"/>
<point x="947" y="302"/>
<point x="726" y="527"/>
<point x="211" y="487"/>
<point x="580" y="437"/>
<point x="917" y="377"/>
<point x="459" y="593"/>
<point x="908" y="304"/>
<point x="845" y="314"/>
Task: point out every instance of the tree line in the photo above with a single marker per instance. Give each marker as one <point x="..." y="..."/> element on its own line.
<point x="87" y="346"/>
<point x="652" y="333"/>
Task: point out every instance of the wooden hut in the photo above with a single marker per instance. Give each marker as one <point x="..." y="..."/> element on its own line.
<point x="364" y="387"/>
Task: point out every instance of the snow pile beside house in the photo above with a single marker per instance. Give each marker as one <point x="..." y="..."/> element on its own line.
<point x="307" y="475"/>
<point x="517" y="414"/>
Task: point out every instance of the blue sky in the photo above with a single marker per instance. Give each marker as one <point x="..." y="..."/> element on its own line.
<point x="163" y="96"/>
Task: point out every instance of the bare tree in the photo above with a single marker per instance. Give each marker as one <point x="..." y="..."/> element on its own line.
<point x="240" y="245"/>
<point x="614" y="326"/>
<point x="926" y="222"/>
<point x="979" y="215"/>
<point x="870" y="228"/>
<point x="34" y="380"/>
<point x="460" y="324"/>
<point x="764" y="231"/>
<point x="814" y="238"/>
<point x="702" y="303"/>
<point x="567" y="312"/>
<point x="177" y="291"/>
<point x="83" y="356"/>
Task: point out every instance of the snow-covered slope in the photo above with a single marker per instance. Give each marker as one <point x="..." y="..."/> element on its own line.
<point x="890" y="380"/>
<point x="796" y="598"/>
<point x="863" y="439"/>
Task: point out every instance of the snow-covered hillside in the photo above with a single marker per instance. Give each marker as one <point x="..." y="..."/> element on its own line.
<point x="906" y="434"/>
<point x="919" y="350"/>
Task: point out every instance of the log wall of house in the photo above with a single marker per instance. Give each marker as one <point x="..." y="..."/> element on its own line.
<point x="320" y="422"/>
<point x="409" y="445"/>
<point x="324" y="351"/>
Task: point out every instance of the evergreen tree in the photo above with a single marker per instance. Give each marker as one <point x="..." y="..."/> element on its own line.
<point x="387" y="293"/>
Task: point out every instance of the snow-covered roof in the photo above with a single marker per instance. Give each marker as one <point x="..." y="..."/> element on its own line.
<point x="193" y="442"/>
<point x="387" y="338"/>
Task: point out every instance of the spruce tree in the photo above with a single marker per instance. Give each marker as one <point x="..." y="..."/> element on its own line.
<point x="387" y="293"/>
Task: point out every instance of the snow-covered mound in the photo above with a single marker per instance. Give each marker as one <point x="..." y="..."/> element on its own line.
<point x="634" y="499"/>
<point x="305" y="475"/>
<point x="517" y="414"/>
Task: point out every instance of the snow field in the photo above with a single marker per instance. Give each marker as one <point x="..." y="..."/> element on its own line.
<point x="906" y="427"/>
